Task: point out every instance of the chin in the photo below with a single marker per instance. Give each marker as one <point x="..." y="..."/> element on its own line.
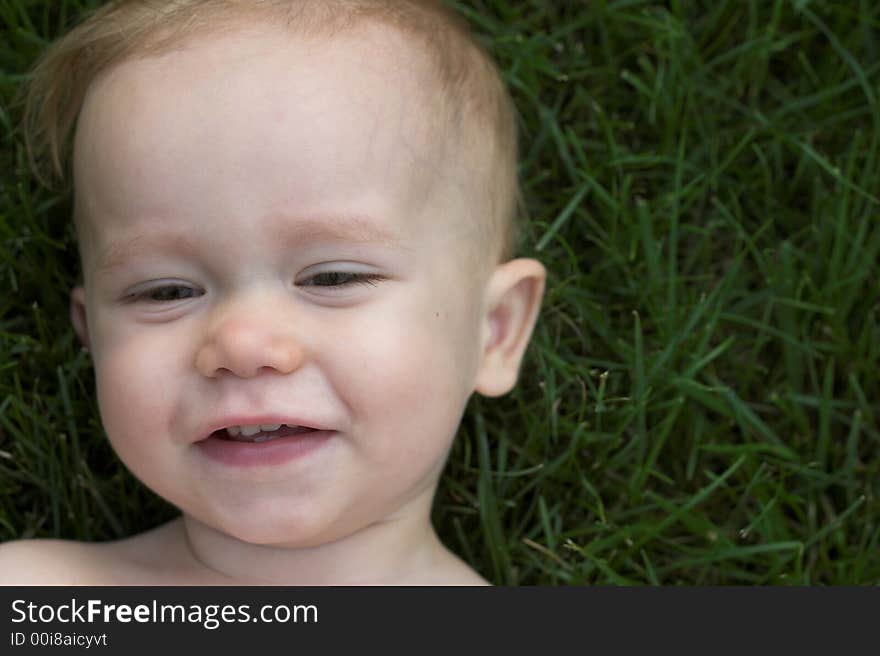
<point x="273" y="531"/>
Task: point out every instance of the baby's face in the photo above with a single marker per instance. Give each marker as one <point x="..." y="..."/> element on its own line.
<point x="268" y="236"/>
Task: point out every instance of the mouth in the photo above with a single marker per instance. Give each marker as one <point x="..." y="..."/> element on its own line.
<point x="259" y="434"/>
<point x="262" y="446"/>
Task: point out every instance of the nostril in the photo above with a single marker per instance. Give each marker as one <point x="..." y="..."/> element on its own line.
<point x="220" y="371"/>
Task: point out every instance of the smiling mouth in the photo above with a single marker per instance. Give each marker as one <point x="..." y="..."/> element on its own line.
<point x="262" y="436"/>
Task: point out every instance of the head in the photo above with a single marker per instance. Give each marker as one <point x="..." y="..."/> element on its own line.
<point x="290" y="212"/>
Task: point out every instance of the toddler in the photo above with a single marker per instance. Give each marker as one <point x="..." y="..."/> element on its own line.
<point x="296" y="223"/>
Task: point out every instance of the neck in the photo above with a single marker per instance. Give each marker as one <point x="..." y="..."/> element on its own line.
<point x="397" y="550"/>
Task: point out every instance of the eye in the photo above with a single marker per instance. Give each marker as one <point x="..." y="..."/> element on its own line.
<point x="342" y="279"/>
<point x="166" y="293"/>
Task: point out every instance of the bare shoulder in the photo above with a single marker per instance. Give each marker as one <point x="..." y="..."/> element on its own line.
<point x="48" y="562"/>
<point x="460" y="574"/>
<point x="449" y="569"/>
<point x="144" y="559"/>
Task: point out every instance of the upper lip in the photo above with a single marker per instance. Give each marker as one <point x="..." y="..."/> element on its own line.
<point x="256" y="420"/>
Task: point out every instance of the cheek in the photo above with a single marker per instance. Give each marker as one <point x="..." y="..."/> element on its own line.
<point x="407" y="373"/>
<point x="138" y="380"/>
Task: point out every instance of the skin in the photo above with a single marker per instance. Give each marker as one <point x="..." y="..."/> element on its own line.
<point x="255" y="148"/>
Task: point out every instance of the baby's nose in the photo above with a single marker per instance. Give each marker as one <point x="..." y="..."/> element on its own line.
<point x="245" y="347"/>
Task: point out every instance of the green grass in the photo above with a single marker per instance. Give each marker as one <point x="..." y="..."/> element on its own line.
<point x="700" y="402"/>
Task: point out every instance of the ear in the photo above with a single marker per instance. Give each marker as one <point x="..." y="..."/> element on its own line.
<point x="78" y="315"/>
<point x="515" y="290"/>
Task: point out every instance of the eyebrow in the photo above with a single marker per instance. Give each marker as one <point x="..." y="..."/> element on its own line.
<point x="354" y="229"/>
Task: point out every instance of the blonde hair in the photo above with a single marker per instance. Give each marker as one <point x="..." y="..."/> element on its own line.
<point x="474" y="95"/>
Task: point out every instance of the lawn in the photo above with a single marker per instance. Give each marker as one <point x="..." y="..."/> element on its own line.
<point x="699" y="404"/>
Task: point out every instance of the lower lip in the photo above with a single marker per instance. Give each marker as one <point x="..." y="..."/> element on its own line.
<point x="264" y="454"/>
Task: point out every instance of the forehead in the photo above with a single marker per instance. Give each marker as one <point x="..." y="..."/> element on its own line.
<point x="257" y="123"/>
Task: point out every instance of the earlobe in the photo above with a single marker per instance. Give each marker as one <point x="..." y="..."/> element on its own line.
<point x="514" y="300"/>
<point x="78" y="315"/>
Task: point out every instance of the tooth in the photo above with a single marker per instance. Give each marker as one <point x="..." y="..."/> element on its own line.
<point x="235" y="431"/>
<point x="263" y="438"/>
<point x="269" y="427"/>
<point x="247" y="431"/>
